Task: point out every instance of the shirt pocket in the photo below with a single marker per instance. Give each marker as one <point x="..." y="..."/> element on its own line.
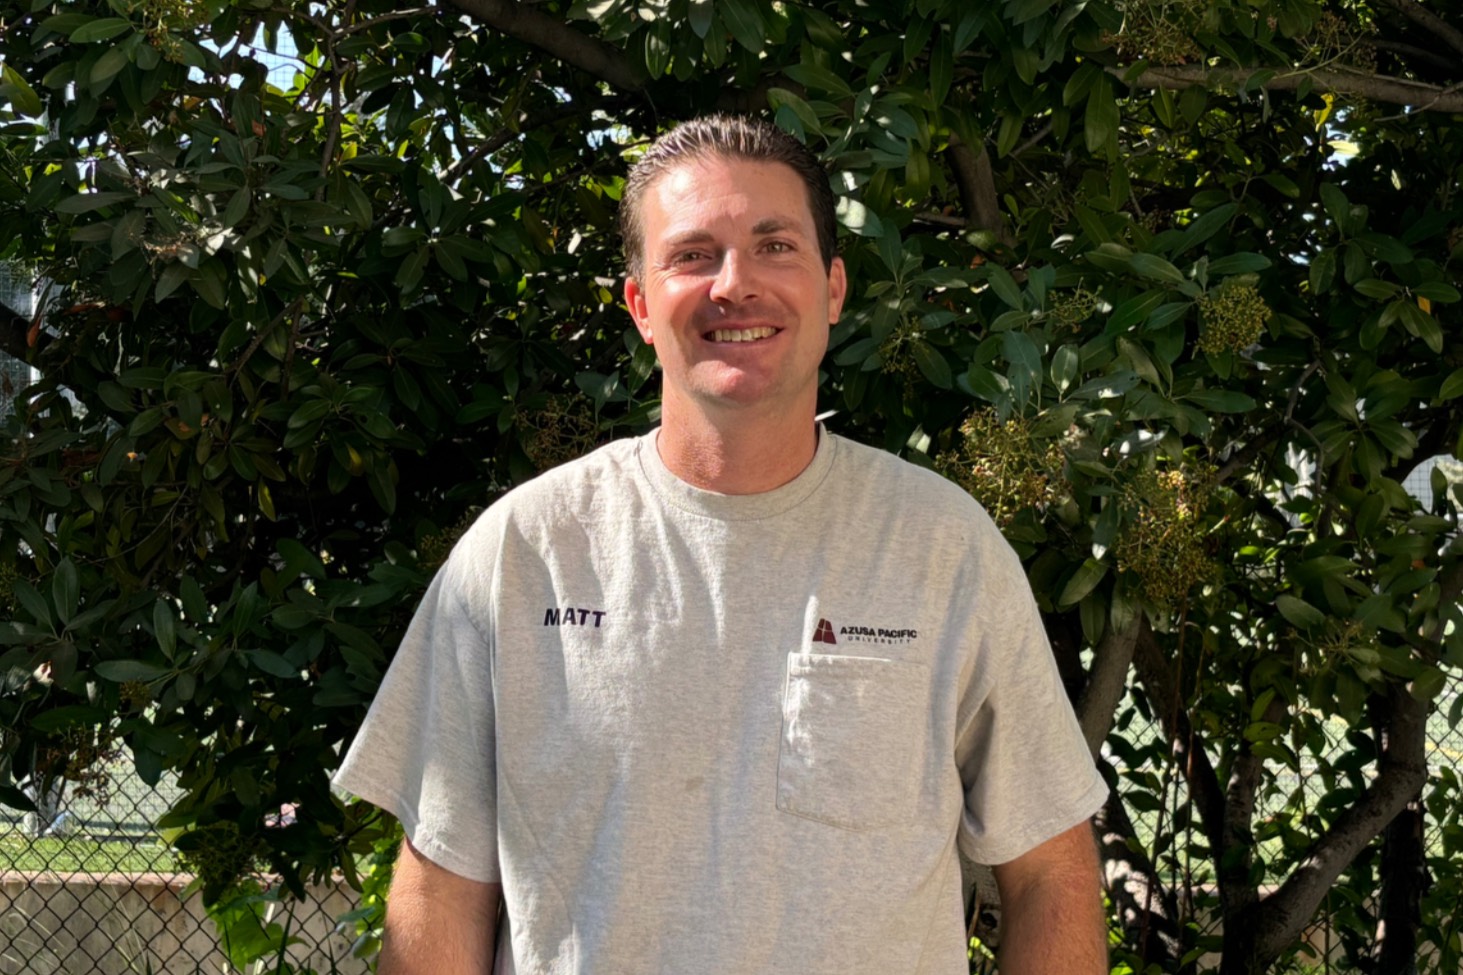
<point x="852" y="735"/>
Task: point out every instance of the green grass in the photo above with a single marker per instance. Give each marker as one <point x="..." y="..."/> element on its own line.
<point x="72" y="854"/>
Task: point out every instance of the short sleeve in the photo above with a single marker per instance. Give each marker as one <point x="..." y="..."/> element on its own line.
<point x="1027" y="772"/>
<point x="426" y="751"/>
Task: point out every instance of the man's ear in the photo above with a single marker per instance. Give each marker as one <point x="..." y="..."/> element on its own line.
<point x="837" y="289"/>
<point x="635" y="302"/>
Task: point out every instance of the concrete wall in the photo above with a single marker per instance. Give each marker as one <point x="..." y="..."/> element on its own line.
<point x="84" y="924"/>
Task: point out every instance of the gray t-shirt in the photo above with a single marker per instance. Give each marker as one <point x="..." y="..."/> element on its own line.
<point x="694" y="732"/>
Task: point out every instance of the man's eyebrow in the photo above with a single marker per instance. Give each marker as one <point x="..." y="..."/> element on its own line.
<point x="686" y="237"/>
<point x="776" y="225"/>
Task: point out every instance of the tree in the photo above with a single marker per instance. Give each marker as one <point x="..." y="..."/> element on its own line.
<point x="1165" y="285"/>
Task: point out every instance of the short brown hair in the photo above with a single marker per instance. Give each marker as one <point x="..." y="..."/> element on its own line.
<point x="732" y="136"/>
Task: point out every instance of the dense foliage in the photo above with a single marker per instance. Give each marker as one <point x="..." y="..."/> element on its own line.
<point x="1167" y="285"/>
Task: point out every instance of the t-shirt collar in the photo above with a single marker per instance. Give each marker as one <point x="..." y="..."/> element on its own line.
<point x="735" y="507"/>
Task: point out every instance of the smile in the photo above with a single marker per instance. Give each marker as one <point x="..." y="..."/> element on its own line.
<point x="742" y="334"/>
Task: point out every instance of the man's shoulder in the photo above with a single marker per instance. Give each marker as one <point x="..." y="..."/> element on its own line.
<point x="600" y="468"/>
<point x="571" y="492"/>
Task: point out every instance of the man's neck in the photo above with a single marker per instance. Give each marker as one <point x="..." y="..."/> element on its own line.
<point x="748" y="454"/>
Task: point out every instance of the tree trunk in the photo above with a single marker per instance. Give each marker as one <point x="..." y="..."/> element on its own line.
<point x="1399" y="908"/>
<point x="1145" y="908"/>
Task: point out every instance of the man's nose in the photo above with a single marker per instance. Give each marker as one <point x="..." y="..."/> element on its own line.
<point x="735" y="279"/>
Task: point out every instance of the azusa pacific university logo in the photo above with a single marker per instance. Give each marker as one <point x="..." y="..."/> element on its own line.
<point x="825" y="632"/>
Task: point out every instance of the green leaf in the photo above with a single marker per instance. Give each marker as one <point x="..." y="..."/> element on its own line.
<point x="814" y="76"/>
<point x="942" y="67"/>
<point x="1134" y="310"/>
<point x="195" y="605"/>
<point x="1323" y="272"/>
<point x="68" y="716"/>
<point x="1065" y="365"/>
<point x="657" y="50"/>
<point x="309" y="412"/>
<point x="744" y="19"/>
<point x="1083" y="581"/>
<point x="1155" y="268"/>
<point x="1428" y="684"/>
<point x="1100" y="123"/>
<point x="781" y="97"/>
<point x="238" y="207"/>
<point x="14" y="88"/>
<point x="1243" y="262"/>
<point x="1375" y="288"/>
<point x="1208" y="225"/>
<point x="1262" y="731"/>
<point x="702" y="14"/>
<point x="1437" y="291"/>
<point x="87" y="202"/>
<point x="1023" y="355"/>
<point x="298" y="559"/>
<point x="272" y="663"/>
<point x="120" y="671"/>
<point x="931" y="363"/>
<point x="209" y="283"/>
<point x="858" y="218"/>
<point x="409" y="275"/>
<point x="100" y="30"/>
<point x="1020" y="11"/>
<point x="164" y="628"/>
<point x="1080" y="84"/>
<point x="109" y="64"/>
<point x="1111" y="256"/>
<point x="33" y="601"/>
<point x="1336" y="204"/>
<point x="1005" y="286"/>
<point x="987" y="384"/>
<point x="1452" y="386"/>
<point x="1220" y="400"/>
<point x="65" y="590"/>
<point x="1301" y="614"/>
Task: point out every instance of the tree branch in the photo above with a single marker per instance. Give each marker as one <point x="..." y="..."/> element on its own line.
<point x="1401" y="772"/>
<point x="14" y="335"/>
<point x="1429" y="22"/>
<point x="1243" y="458"/>
<point x="1413" y="53"/>
<point x="1106" y="682"/>
<point x="977" y="186"/>
<point x="1396" y="91"/>
<point x="1145" y="907"/>
<point x="1188" y="752"/>
<point x="556" y="38"/>
<point x="526" y="122"/>
<point x="1237" y="892"/>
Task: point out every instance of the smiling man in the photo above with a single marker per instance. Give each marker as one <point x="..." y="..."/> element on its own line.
<point x="728" y="697"/>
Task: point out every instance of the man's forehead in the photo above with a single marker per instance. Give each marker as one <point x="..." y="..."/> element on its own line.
<point x="756" y="192"/>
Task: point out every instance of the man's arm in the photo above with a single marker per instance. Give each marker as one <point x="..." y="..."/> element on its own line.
<point x="438" y="923"/>
<point x="1051" y="908"/>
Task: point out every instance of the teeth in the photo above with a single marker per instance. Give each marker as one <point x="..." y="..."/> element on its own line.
<point x="742" y="334"/>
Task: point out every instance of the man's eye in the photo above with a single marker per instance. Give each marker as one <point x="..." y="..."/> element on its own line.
<point x="685" y="257"/>
<point x="779" y="247"/>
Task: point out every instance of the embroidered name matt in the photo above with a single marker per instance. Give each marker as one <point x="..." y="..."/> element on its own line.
<point x="573" y="616"/>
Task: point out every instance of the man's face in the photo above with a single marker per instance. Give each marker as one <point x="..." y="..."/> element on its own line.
<point x="733" y="295"/>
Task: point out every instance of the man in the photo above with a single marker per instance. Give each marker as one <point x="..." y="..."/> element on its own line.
<point x="726" y="697"/>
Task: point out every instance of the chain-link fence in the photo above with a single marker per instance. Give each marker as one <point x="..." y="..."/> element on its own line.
<point x="89" y="887"/>
<point x="1160" y="808"/>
